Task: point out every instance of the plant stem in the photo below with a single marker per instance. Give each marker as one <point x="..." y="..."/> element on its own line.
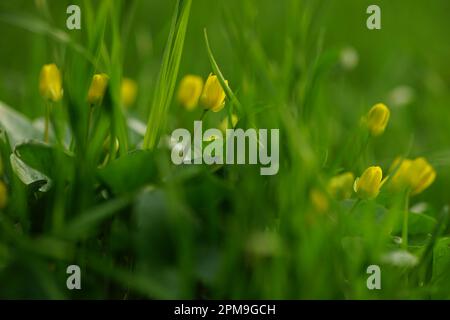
<point x="355" y="204"/>
<point x="405" y="221"/>
<point x="203" y="114"/>
<point x="47" y="121"/>
<point x="88" y="129"/>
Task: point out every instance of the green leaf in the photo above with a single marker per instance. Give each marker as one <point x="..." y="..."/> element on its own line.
<point x="441" y="264"/>
<point x="130" y="172"/>
<point x="42" y="157"/>
<point x="34" y="179"/>
<point x="418" y="224"/>
<point x="90" y="219"/>
<point x="18" y="127"/>
<point x="39" y="26"/>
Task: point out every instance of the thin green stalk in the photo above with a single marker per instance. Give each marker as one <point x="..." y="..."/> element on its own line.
<point x="203" y="114"/>
<point x="355" y="204"/>
<point x="47" y="120"/>
<point x="219" y="74"/>
<point x="405" y="221"/>
<point x="88" y="129"/>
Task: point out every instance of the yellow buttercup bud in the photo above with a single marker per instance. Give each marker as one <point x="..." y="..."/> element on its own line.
<point x="368" y="185"/>
<point x="319" y="200"/>
<point x="97" y="88"/>
<point x="128" y="92"/>
<point x="340" y="186"/>
<point x="415" y="174"/>
<point x="377" y="119"/>
<point x="224" y="125"/>
<point x="50" y="83"/>
<point x="3" y="195"/>
<point x="399" y="174"/>
<point x="213" y="96"/>
<point x="422" y="175"/>
<point x="189" y="91"/>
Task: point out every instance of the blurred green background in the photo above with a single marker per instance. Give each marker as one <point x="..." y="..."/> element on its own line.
<point x="310" y="68"/>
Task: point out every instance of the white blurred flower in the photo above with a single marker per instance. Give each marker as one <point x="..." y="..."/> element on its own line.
<point x="400" y="258"/>
<point x="401" y="96"/>
<point x="349" y="58"/>
<point x="420" y="207"/>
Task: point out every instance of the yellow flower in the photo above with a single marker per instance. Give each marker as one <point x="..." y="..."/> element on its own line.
<point x="213" y="96"/>
<point x="377" y="119"/>
<point x="128" y="92"/>
<point x="422" y="175"/>
<point x="224" y="125"/>
<point x="399" y="174"/>
<point x="415" y="174"/>
<point x="340" y="186"/>
<point x="319" y="200"/>
<point x="189" y="91"/>
<point x="50" y="83"/>
<point x="97" y="88"/>
<point x="368" y="185"/>
<point x="3" y="195"/>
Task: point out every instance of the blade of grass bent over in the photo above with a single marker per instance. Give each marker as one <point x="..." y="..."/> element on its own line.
<point x="219" y="75"/>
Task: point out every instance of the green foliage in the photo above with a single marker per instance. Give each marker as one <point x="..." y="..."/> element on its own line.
<point x="104" y="194"/>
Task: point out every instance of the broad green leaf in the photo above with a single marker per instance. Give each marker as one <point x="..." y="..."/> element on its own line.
<point x="18" y="127"/>
<point x="130" y="172"/>
<point x="418" y="223"/>
<point x="34" y="179"/>
<point x="441" y="258"/>
<point x="44" y="158"/>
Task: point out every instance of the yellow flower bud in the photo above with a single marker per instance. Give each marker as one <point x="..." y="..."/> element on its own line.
<point x="128" y="92"/>
<point x="415" y="174"/>
<point x="224" y="125"/>
<point x="377" y="119"/>
<point x="422" y="175"/>
<point x="97" y="88"/>
<point x="368" y="185"/>
<point x="50" y="83"/>
<point x="213" y="96"/>
<point x="3" y="195"/>
<point x="399" y="174"/>
<point x="319" y="200"/>
<point x="189" y="91"/>
<point x="340" y="186"/>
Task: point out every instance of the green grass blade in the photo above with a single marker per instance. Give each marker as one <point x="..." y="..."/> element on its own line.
<point x="167" y="76"/>
<point x="219" y="74"/>
<point x="39" y="26"/>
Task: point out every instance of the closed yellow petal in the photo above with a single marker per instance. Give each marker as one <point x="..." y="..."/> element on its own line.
<point x="213" y="96"/>
<point x="377" y="119"/>
<point x="97" y="88"/>
<point x="422" y="175"/>
<point x="50" y="83"/>
<point x="340" y="186"/>
<point x="128" y="92"/>
<point x="189" y="91"/>
<point x="369" y="184"/>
